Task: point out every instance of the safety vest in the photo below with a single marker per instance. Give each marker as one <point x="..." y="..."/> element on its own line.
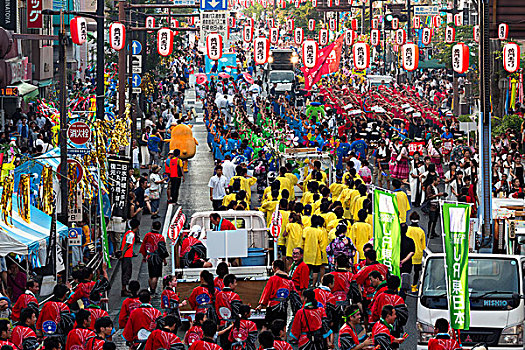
<point x="174" y="167"/>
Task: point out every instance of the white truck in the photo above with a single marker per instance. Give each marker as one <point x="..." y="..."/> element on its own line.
<point x="497" y="309"/>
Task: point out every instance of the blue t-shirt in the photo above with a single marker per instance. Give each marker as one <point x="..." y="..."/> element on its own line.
<point x="342" y="151"/>
<point x="359" y="147"/>
<point x="446" y="136"/>
<point x="153" y="143"/>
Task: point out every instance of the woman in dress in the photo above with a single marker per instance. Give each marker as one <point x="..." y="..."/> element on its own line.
<point x="435" y="155"/>
<point x="401" y="169"/>
<point x="416" y="181"/>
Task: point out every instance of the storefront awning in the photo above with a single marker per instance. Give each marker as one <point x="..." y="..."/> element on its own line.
<point x="25" y="88"/>
<point x="44" y="83"/>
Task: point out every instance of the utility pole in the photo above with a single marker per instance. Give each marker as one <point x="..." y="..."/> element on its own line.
<point x="62" y="141"/>
<point x="122" y="64"/>
<point x="484" y="125"/>
<point x="455" y="92"/>
<point x="100" y="91"/>
<point x="409" y="23"/>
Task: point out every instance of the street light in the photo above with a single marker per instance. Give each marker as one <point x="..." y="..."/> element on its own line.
<point x="295" y="58"/>
<point x="270" y="58"/>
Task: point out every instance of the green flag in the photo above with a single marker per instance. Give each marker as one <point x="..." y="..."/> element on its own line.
<point x="456" y="222"/>
<point x="105" y="242"/>
<point x="387" y="230"/>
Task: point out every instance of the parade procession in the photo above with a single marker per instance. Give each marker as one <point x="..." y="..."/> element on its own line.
<point x="262" y="175"/>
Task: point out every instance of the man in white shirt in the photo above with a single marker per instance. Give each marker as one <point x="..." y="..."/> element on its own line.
<point x="228" y="168"/>
<point x="217" y="185"/>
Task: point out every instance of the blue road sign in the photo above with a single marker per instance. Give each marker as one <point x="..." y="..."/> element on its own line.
<point x="214" y="5"/>
<point x="136" y="47"/>
<point x="136" y="80"/>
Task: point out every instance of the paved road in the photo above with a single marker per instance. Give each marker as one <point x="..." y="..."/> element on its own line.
<point x="195" y="197"/>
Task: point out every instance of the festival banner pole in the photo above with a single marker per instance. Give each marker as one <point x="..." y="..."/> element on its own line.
<point x="455" y="221"/>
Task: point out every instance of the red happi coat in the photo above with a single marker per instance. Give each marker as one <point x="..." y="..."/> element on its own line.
<point x="385" y="298"/>
<point x="347" y="338"/>
<point x="128" y="305"/>
<point x="145" y="316"/>
<point x="382" y="336"/>
<point x="7" y="342"/>
<point x="309" y="320"/>
<point x="243" y="337"/>
<point x="21" y="332"/>
<point x="22" y="302"/>
<point x="324" y="297"/>
<point x="150" y="243"/>
<point x="94" y="343"/>
<point x="169" y="302"/>
<point x="362" y="278"/>
<point x="76" y="338"/>
<point x="277" y="290"/>
<point x="301" y="276"/>
<point x="161" y="339"/>
<point x="82" y="291"/>
<point x="342" y="280"/>
<point x="200" y="299"/>
<point x="204" y="345"/>
<point x="49" y="318"/>
<point x="219" y="283"/>
<point x="192" y="335"/>
<point x="281" y="345"/>
<point x="441" y="342"/>
<point x="96" y="313"/>
<point x="227" y="304"/>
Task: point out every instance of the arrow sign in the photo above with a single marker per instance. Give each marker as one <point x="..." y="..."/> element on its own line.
<point x="136" y="47"/>
<point x="214" y="5"/>
<point x="136" y="80"/>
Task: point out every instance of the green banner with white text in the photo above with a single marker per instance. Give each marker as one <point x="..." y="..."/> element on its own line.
<point x="456" y="220"/>
<point x="387" y="230"/>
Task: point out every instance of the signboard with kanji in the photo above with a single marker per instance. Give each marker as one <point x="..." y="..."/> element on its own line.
<point x="119" y="182"/>
<point x="75" y="236"/>
<point x="75" y="207"/>
<point x="79" y="133"/>
<point x="10" y="91"/>
<point x="216" y="21"/>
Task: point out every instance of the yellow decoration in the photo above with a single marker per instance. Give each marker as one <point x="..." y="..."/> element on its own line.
<point x="47" y="190"/>
<point x="24" y="206"/>
<point x="6" y="203"/>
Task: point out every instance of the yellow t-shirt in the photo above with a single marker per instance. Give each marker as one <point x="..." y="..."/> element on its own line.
<point x="286" y="215"/>
<point x="312" y="245"/>
<point x="370" y="220"/>
<point x="294" y="237"/>
<point x="333" y="224"/>
<point x="286" y="185"/>
<point x="336" y="189"/>
<point x="227" y="199"/>
<point x="360" y="233"/>
<point x="328" y="217"/>
<point x="246" y="184"/>
<point x="353" y="197"/>
<point x="307" y="198"/>
<point x="358" y="205"/>
<point x="293" y="180"/>
<point x="268" y="208"/>
<point x="403" y="205"/>
<point x="323" y="245"/>
<point x="306" y="220"/>
<point x="418" y="236"/>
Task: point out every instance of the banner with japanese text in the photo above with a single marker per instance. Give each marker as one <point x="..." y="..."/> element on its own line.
<point x="387" y="230"/>
<point x="456" y="219"/>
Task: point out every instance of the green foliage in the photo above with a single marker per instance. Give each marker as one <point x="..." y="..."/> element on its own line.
<point x="510" y="123"/>
<point x="465" y="118"/>
<point x="443" y="51"/>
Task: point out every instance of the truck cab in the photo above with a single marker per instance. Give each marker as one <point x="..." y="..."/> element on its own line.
<point x="496" y="300"/>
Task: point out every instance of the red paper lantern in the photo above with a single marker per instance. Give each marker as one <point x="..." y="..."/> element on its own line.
<point x="174" y="24"/>
<point x="426" y="36"/>
<point x="458" y="19"/>
<point x="460" y="58"/>
<point x="274" y="35"/>
<point x="401" y="37"/>
<point x="511" y="57"/>
<point x="375" y="37"/>
<point x="314" y="3"/>
<point x="247" y="34"/>
<point x="503" y="31"/>
<point x="298" y="36"/>
<point x="375" y="23"/>
<point x="410" y="56"/>
<point x="450" y="18"/>
<point x="450" y="35"/>
<point x="270" y="23"/>
<point x="117" y="36"/>
<point x="349" y="37"/>
<point x="361" y="55"/>
<point x="337" y="2"/>
<point x="261" y="50"/>
<point x="332" y="24"/>
<point x="475" y="33"/>
<point x="436" y="21"/>
<point x="290" y="25"/>
<point x="323" y="36"/>
<point x="264" y="3"/>
<point x="78" y="27"/>
<point x="310" y="50"/>
<point x="214" y="46"/>
<point x="165" y="41"/>
<point x="395" y="23"/>
<point x="311" y="24"/>
<point x="150" y="23"/>
<point x="297" y="3"/>
<point x="231" y="22"/>
<point x="250" y="21"/>
<point x="353" y="24"/>
<point x="416" y="22"/>
<point x="330" y="3"/>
